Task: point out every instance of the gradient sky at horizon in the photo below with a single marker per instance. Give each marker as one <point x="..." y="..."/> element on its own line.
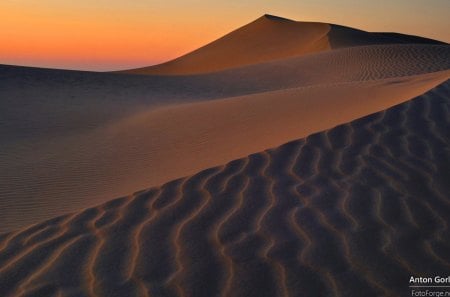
<point x="117" y="34"/>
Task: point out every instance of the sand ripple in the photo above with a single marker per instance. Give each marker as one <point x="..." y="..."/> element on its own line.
<point x="352" y="211"/>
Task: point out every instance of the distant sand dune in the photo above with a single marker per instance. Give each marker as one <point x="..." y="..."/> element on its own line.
<point x="264" y="39"/>
<point x="271" y="38"/>
<point x="351" y="211"/>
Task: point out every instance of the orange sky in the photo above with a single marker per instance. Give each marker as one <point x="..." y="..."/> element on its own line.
<point x="114" y="34"/>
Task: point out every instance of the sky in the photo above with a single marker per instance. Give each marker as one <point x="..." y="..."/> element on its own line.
<point x="107" y="35"/>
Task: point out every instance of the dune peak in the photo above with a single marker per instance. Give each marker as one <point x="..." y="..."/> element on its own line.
<point x="275" y="18"/>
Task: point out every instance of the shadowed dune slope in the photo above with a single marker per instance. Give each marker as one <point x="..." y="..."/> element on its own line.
<point x="341" y="36"/>
<point x="351" y="211"/>
<point x="271" y="38"/>
<point x="91" y="136"/>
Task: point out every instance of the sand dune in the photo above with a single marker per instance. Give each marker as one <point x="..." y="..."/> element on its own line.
<point x="120" y="151"/>
<point x="351" y="211"/>
<point x="271" y="38"/>
<point x="92" y="136"/>
<point x="264" y="39"/>
<point x="339" y="184"/>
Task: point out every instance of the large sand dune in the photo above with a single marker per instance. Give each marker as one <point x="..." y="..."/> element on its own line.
<point x="271" y="38"/>
<point x="339" y="184"/>
<point x="87" y="140"/>
<point x="351" y="211"/>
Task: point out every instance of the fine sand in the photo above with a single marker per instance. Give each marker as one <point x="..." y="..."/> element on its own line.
<point x="283" y="159"/>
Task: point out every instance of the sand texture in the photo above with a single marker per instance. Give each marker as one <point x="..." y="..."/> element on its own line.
<point x="351" y="211"/>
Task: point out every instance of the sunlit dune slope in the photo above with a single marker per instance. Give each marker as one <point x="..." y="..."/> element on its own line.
<point x="266" y="38"/>
<point x="270" y="38"/>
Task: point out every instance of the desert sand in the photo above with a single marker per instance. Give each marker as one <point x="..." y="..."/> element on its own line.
<point x="284" y="159"/>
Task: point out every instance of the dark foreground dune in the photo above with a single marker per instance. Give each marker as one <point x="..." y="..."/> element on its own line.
<point x="352" y="211"/>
